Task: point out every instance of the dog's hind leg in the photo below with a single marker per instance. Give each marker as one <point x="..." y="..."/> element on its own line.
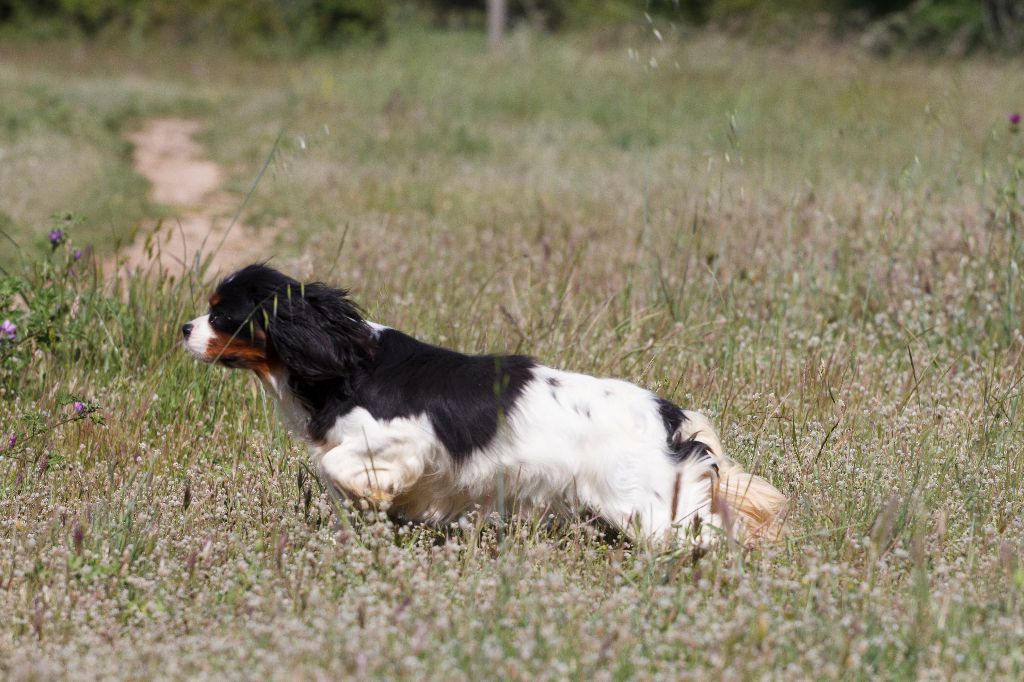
<point x="692" y="509"/>
<point x="667" y="501"/>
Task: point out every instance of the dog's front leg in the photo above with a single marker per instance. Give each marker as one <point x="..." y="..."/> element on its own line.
<point x="375" y="474"/>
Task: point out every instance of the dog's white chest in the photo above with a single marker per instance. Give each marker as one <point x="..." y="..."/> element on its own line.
<point x="291" y="412"/>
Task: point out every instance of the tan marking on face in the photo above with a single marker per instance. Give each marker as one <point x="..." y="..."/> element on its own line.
<point x="233" y="348"/>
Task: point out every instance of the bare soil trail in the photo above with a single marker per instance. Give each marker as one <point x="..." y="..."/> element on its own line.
<point x="181" y="177"/>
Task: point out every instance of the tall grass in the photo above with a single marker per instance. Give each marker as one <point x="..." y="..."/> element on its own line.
<point x="819" y="251"/>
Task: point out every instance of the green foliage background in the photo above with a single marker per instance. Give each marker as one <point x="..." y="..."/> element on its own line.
<point x="303" y="24"/>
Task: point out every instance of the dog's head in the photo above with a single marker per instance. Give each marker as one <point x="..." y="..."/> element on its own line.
<point x="261" y="319"/>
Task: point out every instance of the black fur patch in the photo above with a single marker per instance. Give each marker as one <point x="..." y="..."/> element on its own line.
<point x="336" y="363"/>
<point x="464" y="396"/>
<point x="683" y="450"/>
<point x="679" y="449"/>
<point x="671" y="415"/>
<point x="314" y="329"/>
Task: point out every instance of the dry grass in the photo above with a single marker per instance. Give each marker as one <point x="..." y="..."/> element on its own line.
<point x="822" y="252"/>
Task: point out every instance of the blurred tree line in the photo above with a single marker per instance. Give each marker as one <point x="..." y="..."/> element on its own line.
<point x="299" y="23"/>
<point x="956" y="26"/>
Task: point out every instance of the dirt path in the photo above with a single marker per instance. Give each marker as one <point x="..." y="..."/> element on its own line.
<point x="182" y="178"/>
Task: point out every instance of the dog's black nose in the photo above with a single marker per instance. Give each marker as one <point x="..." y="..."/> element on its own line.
<point x="186" y="329"/>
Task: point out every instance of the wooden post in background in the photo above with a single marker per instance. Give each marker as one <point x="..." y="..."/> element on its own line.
<point x="497" y="16"/>
<point x="1004" y="23"/>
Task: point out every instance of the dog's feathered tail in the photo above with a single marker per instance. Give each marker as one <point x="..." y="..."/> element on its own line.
<point x="758" y="506"/>
<point x="752" y="509"/>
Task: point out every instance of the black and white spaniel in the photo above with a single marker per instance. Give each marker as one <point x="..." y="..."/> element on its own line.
<point x="430" y="433"/>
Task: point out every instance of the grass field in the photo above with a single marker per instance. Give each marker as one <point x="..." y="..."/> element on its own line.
<point x="819" y="250"/>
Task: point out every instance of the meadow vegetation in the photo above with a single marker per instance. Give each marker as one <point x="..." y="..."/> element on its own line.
<point x="819" y="250"/>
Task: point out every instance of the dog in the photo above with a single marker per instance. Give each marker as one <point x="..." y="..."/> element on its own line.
<point x="429" y="434"/>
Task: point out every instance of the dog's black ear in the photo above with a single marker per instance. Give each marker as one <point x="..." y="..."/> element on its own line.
<point x="317" y="331"/>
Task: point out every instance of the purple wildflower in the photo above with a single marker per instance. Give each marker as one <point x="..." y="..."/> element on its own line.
<point x="1015" y="119"/>
<point x="76" y="254"/>
<point x="13" y="440"/>
<point x="56" y="237"/>
<point x="8" y="329"/>
<point x="79" y="407"/>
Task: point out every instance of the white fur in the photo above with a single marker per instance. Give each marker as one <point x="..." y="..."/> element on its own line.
<point x="377" y="328"/>
<point x="583" y="444"/>
<point x="199" y="338"/>
<point x="573" y="443"/>
<point x="292" y="413"/>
